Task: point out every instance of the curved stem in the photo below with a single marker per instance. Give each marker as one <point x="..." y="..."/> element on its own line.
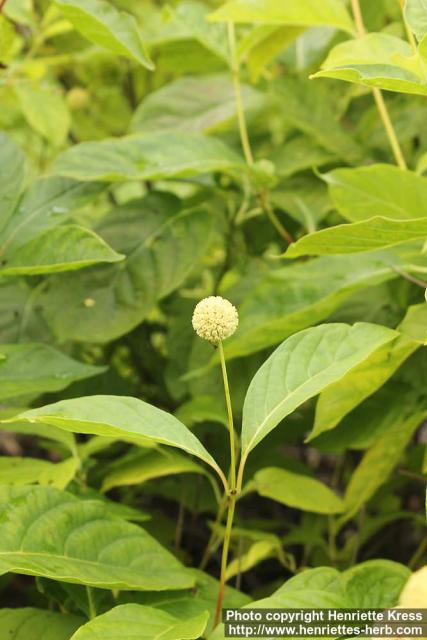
<point x="224" y="557"/>
<point x="235" y="71"/>
<point x="378" y="96"/>
<point x="244" y="136"/>
<point x="230" y="419"/>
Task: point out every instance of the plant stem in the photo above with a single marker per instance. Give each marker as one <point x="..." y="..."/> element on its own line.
<point x="230" y="418"/>
<point x="91" y="601"/>
<point x="378" y="96"/>
<point x="2" y="3"/>
<point x="232" y="494"/>
<point x="235" y="71"/>
<point x="224" y="557"/>
<point x="244" y="136"/>
<point x="411" y="37"/>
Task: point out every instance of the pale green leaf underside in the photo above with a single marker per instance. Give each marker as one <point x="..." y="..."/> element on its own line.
<point x="343" y="396"/>
<point x="37" y="624"/>
<point x="416" y="16"/>
<point x="367" y="235"/>
<point x="63" y="248"/>
<point x="150" y="156"/>
<point x="22" y="471"/>
<point x="101" y="23"/>
<point x="378" y="190"/>
<point x="376" y="60"/>
<point x="50" y="533"/>
<point x="38" y="368"/>
<point x="132" y="621"/>
<point x="148" y="465"/>
<point x="304" y="13"/>
<point x="380" y="460"/>
<point x="113" y="416"/>
<point x="303" y="366"/>
<point x="297" y="491"/>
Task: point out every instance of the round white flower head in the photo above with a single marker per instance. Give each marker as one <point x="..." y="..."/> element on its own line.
<point x="215" y="319"/>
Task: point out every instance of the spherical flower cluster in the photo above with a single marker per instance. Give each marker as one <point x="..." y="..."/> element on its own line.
<point x="215" y="319"/>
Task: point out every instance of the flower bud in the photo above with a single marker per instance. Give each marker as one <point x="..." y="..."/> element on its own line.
<point x="215" y="319"/>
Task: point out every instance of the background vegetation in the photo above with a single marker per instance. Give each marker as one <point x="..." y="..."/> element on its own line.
<point x="271" y="152"/>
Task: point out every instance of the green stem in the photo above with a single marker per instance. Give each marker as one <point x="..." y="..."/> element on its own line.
<point x="91" y="602"/>
<point x="224" y="557"/>
<point x="411" y="37"/>
<point x="235" y="71"/>
<point x="230" y="419"/>
<point x="378" y="96"/>
<point x="244" y="136"/>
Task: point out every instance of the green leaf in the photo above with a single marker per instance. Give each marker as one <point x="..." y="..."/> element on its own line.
<point x="297" y="491"/>
<point x="145" y="623"/>
<point x="150" y="156"/>
<point x="21" y="624"/>
<point x="304" y="13"/>
<point x="45" y="204"/>
<point x="303" y="365"/>
<point x="366" y="192"/>
<point x="299" y="154"/>
<point x="64" y="248"/>
<point x="294" y="297"/>
<point x="307" y="106"/>
<point x="50" y="533"/>
<point x="194" y="104"/>
<point x="38" y="368"/>
<point x="375" y="584"/>
<point x="142" y="466"/>
<point x="312" y="589"/>
<point x="359" y="237"/>
<point x="46" y="112"/>
<point x="42" y="431"/>
<point x="416" y="16"/>
<point x="103" y="303"/>
<point x="376" y="60"/>
<point x="202" y="409"/>
<point x="12" y="177"/>
<point x="22" y="471"/>
<point x="340" y="398"/>
<point x="7" y="39"/>
<point x="117" y="416"/>
<point x="379" y="461"/>
<point x="260" y="550"/>
<point x="264" y="43"/>
<point x="101" y="23"/>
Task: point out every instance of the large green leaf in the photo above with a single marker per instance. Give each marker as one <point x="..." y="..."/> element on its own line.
<point x="194" y="104"/>
<point x="45" y="204"/>
<point x="292" y="298"/>
<point x="119" y="416"/>
<point x="50" y="533"/>
<point x="37" y="624"/>
<point x="103" y="303"/>
<point x="142" y="466"/>
<point x="378" y="190"/>
<point x="150" y="156"/>
<point x="367" y="235"/>
<point x="304" y="13"/>
<point x="101" y="23"/>
<point x="64" y="248"/>
<point x="129" y="621"/>
<point x="12" y="177"/>
<point x="312" y="589"/>
<point x="297" y="491"/>
<point x="376" y="60"/>
<point x="416" y="16"/>
<point x="38" y="368"/>
<point x="22" y="471"/>
<point x="379" y="461"/>
<point x="375" y="583"/>
<point x="340" y="398"/>
<point x="307" y="106"/>
<point x="46" y="112"/>
<point x="305" y="364"/>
